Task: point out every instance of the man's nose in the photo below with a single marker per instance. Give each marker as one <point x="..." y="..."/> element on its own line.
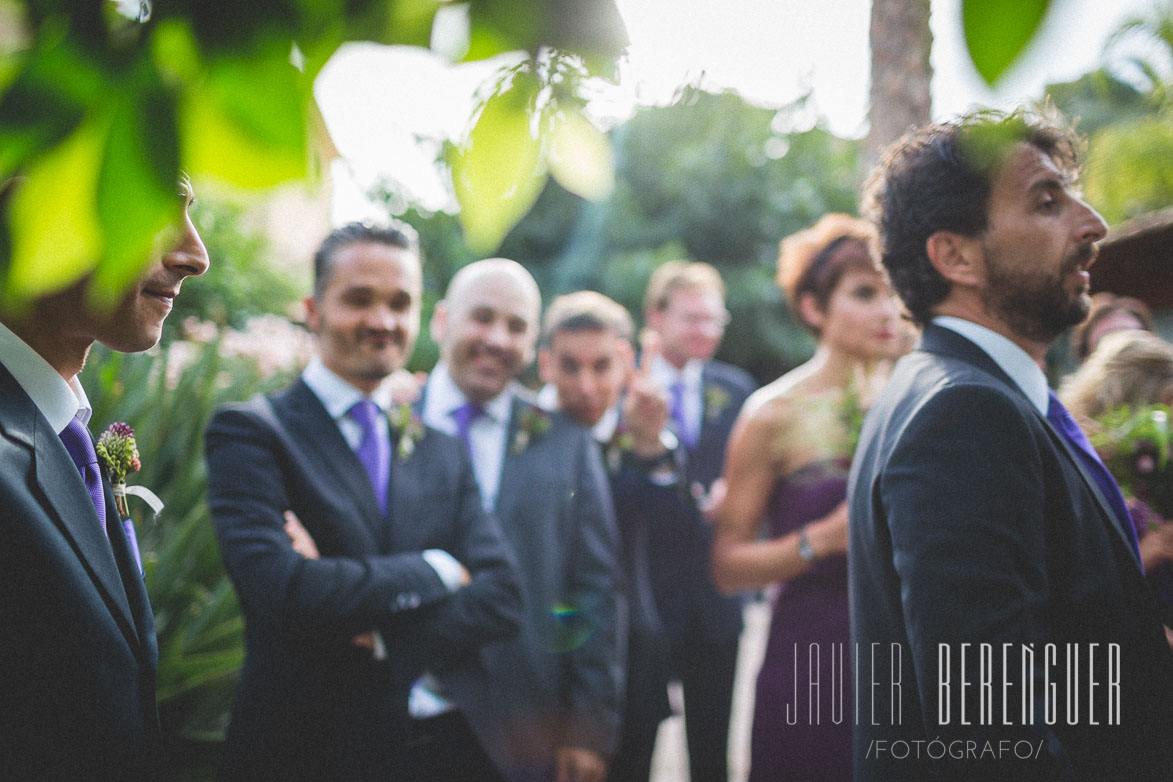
<point x="189" y="257"/>
<point x="1091" y="227"/>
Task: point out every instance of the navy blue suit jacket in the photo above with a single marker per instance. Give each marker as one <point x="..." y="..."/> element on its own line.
<point x="560" y="682"/>
<point x="312" y="705"/>
<point x="973" y="521"/>
<point x="690" y="606"/>
<point x="78" y="652"/>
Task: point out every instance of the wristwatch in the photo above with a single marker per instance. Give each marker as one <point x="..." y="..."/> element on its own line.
<point x="805" y="552"/>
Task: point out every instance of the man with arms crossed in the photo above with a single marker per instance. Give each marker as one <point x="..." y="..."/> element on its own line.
<point x="549" y="703"/>
<point x="78" y="654"/>
<point x="978" y="514"/>
<point x="403" y="573"/>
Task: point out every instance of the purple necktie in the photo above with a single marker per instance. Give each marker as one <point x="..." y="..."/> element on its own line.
<point x="465" y="415"/>
<point x="77" y="441"/>
<point x="1061" y="419"/>
<point x="680" y="417"/>
<point x="373" y="451"/>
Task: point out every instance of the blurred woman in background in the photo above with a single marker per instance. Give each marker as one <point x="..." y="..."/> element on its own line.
<point x="787" y="463"/>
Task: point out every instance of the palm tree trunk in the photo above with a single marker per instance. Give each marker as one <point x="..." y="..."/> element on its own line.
<point x="901" y="73"/>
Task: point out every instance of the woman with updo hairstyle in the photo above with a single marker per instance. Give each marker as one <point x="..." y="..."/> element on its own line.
<point x="787" y="463"/>
<point x="1133" y="368"/>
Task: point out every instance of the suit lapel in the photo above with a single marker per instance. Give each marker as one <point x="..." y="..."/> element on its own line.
<point x="941" y="340"/>
<point x="320" y="442"/>
<point x="70" y="504"/>
<point x="132" y="578"/>
<point x="1105" y="507"/>
<point x="513" y="478"/>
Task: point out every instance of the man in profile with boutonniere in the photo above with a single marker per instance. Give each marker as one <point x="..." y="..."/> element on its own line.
<point x="368" y="572"/>
<point x="684" y="305"/>
<point x="78" y="654"/>
<point x="1002" y="625"/>
<point x="548" y="705"/>
<point x="587" y="360"/>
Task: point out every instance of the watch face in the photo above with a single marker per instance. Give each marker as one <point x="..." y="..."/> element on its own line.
<point x="804" y="547"/>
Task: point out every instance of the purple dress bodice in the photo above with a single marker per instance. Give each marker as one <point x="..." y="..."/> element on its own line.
<point x="810" y="613"/>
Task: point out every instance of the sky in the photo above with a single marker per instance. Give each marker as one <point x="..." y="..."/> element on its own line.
<point x="387" y="107"/>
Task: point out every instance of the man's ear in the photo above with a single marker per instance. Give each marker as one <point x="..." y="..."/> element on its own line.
<point x="545" y="366"/>
<point x="313" y="319"/>
<point x="959" y="259"/>
<point x="438" y="325"/>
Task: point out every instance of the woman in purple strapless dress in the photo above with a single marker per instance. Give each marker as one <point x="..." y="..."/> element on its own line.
<point x="787" y="465"/>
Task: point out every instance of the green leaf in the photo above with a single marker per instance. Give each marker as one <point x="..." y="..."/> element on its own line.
<point x="497" y="26"/>
<point x="56" y="234"/>
<point x="247" y="125"/>
<point x="501" y="168"/>
<point x="580" y="156"/>
<point x="407" y="22"/>
<point x="138" y="196"/>
<point x="997" y="32"/>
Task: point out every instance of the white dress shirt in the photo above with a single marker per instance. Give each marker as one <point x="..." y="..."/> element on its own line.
<point x="59" y="401"/>
<point x="1012" y="359"/>
<point x="486" y="434"/>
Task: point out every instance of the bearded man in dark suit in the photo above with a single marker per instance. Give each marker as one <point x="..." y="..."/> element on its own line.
<point x="1002" y="625"/>
<point x="78" y="654"/>
<point x="357" y="543"/>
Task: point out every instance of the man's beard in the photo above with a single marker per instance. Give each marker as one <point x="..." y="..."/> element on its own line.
<point x="1037" y="307"/>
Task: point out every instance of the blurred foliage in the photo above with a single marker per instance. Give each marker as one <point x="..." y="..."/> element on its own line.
<point x="103" y="104"/>
<point x="530" y="128"/>
<point x="167" y="397"/>
<point x="242" y="281"/>
<point x="1130" y="167"/>
<point x="711" y="178"/>
<point x="1126" y="108"/>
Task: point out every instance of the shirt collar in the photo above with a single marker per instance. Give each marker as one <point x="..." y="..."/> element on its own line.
<point x="667" y="375"/>
<point x="336" y="394"/>
<point x="604" y="428"/>
<point x="1012" y="359"/>
<point x="444" y="396"/>
<point x="57" y="399"/>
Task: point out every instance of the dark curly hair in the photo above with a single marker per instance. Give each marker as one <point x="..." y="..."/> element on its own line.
<point x="938" y="178"/>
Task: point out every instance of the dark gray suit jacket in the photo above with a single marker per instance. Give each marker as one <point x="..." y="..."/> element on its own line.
<point x="560" y="683"/>
<point x="972" y="521"/>
<point x="311" y="705"/>
<point x="77" y="639"/>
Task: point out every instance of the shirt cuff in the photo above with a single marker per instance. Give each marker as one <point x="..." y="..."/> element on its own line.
<point x="447" y="568"/>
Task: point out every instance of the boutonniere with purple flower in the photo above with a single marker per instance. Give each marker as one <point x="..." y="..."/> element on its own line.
<point x="621" y="440"/>
<point x="410" y="428"/>
<point x="532" y="424"/>
<point x="118" y="451"/>
<point x="716" y="402"/>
